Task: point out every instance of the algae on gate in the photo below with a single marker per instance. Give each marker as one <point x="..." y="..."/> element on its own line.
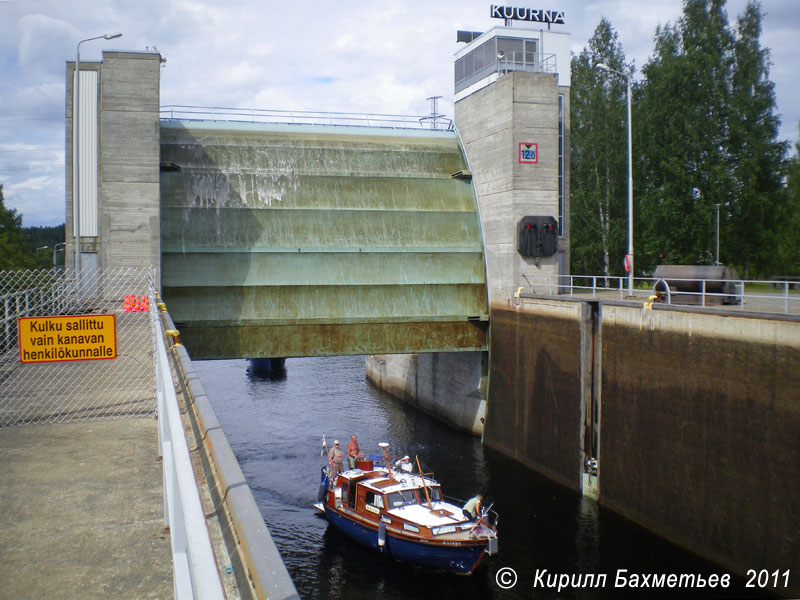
<point x="319" y="240"/>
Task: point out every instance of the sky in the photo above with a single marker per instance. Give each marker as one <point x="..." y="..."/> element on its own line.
<point x="372" y="56"/>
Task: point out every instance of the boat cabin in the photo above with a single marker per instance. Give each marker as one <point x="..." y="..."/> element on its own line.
<point x="410" y="502"/>
<point x="406" y="516"/>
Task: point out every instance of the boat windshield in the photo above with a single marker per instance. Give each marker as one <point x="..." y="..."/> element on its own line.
<point x="401" y="498"/>
<point x="436" y="493"/>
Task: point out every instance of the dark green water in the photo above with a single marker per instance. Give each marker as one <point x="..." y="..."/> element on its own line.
<point x="275" y="427"/>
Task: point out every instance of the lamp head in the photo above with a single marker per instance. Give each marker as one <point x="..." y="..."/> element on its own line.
<point x="111" y="36"/>
<point x="602" y="67"/>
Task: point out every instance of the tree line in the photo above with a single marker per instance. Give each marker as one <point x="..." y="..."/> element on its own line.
<point x="705" y="148"/>
<point x="26" y="247"/>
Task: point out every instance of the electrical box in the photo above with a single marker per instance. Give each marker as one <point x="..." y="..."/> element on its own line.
<point x="537" y="236"/>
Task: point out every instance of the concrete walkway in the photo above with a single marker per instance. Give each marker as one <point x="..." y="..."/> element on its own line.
<point x="81" y="511"/>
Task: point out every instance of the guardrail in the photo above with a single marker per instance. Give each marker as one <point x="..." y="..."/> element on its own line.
<point x="195" y="573"/>
<point x="755" y="295"/>
<point x="255" y="557"/>
<point x="305" y="117"/>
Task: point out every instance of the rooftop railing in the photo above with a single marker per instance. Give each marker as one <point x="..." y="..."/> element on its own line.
<point x="530" y="62"/>
<point x="304" y="117"/>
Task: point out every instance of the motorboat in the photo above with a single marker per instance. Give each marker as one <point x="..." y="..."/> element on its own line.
<point x="404" y="515"/>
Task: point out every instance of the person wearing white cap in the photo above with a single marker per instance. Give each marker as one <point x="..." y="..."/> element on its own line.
<point x="336" y="457"/>
<point x="404" y="464"/>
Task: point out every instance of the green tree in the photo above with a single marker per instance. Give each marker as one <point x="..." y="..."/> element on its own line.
<point x="684" y="162"/>
<point x="756" y="155"/>
<point x="708" y="139"/>
<point x="598" y="159"/>
<point x="788" y="218"/>
<point x="15" y="252"/>
<point x="46" y="238"/>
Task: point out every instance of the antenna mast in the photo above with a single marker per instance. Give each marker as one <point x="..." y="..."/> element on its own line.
<point x="434" y="116"/>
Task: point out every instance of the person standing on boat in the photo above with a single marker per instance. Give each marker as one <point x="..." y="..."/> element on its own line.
<point x="353" y="451"/>
<point x="404" y="464"/>
<point x="337" y="458"/>
<point x="472" y="508"/>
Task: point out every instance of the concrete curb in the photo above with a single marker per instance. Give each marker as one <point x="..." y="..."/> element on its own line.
<point x="263" y="563"/>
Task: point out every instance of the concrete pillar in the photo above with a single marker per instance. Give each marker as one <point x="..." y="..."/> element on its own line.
<point x="128" y="229"/>
<point x="518" y="108"/>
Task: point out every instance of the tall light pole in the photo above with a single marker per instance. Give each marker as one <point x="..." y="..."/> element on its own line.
<point x="716" y="256"/>
<point x="607" y="69"/>
<point x="61" y="245"/>
<point x="76" y="137"/>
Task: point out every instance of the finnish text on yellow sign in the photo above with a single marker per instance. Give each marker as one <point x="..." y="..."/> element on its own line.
<point x="78" y="337"/>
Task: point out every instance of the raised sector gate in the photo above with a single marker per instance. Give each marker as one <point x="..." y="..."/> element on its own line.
<point x="299" y="240"/>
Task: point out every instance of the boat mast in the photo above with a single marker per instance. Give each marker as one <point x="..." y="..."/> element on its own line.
<point x="384" y="446"/>
<point x="424" y="486"/>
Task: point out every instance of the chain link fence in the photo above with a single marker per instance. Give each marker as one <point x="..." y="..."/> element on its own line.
<point x="61" y="391"/>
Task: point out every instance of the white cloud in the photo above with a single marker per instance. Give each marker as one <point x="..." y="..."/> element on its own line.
<point x="45" y="43"/>
<point x="357" y="55"/>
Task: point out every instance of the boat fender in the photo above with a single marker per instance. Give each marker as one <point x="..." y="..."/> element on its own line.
<point x="381" y="535"/>
<point x="323" y="486"/>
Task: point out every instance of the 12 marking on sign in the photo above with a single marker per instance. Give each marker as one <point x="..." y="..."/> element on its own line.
<point x="528" y="153"/>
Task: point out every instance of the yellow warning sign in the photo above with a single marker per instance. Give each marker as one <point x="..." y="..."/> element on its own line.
<point x="77" y="337"/>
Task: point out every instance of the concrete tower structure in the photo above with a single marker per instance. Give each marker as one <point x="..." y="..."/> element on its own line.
<point x="118" y="159"/>
<point x="512" y="111"/>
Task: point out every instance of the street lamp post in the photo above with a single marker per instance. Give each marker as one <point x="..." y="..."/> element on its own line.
<point x="716" y="256"/>
<point x="37" y="252"/>
<point x="61" y="245"/>
<point x="607" y="69"/>
<point x="76" y="136"/>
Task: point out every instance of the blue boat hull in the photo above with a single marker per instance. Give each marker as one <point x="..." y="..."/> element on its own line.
<point x="455" y="559"/>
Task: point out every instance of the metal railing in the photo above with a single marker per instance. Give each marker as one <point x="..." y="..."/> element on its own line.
<point x="195" y="573"/>
<point x="255" y="559"/>
<point x="176" y="112"/>
<point x="530" y="62"/>
<point x="770" y="296"/>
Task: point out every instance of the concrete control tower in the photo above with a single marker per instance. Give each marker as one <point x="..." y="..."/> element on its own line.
<point x="512" y="111"/>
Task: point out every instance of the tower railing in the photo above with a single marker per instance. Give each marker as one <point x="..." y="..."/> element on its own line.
<point x="530" y="62"/>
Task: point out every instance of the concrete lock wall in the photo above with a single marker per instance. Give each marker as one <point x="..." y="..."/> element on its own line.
<point x="697" y="420"/>
<point x="534" y="388"/>
<point x="447" y="385"/>
<point x="700" y="421"/>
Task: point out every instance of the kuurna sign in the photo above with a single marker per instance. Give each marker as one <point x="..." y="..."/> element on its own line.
<point x="527" y="14"/>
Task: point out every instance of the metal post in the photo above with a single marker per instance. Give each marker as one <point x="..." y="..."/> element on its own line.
<point x="55" y="250"/>
<point x="785" y="296"/>
<point x="716" y="255"/>
<point x="630" y="191"/>
<point x="606" y="68"/>
<point x="76" y="136"/>
<point x="703" y="285"/>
